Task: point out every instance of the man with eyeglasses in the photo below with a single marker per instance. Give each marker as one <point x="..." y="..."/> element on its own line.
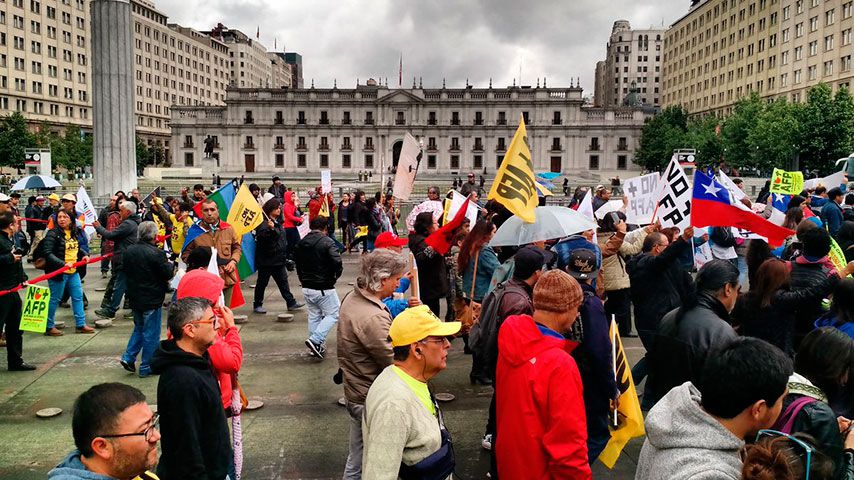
<point x="195" y="434"/>
<point x="658" y="285"/>
<point x="403" y="425"/>
<point x="115" y="435"/>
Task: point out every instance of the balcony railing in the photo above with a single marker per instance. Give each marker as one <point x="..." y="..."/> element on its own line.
<point x="455" y="148"/>
<point x="369" y="148"/>
<point x="278" y="121"/>
<point x="369" y="121"/>
<point x="346" y="147"/>
<point x="501" y="121"/>
<point x="323" y="147"/>
<point x="188" y="144"/>
<point x="345" y="121"/>
<point x="249" y="146"/>
<point x="302" y="147"/>
<point x="324" y="121"/>
<point x="400" y="121"/>
<point x="301" y="121"/>
<point x="279" y="146"/>
<point x="248" y="120"/>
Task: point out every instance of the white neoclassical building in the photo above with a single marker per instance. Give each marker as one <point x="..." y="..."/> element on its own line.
<point x="348" y="130"/>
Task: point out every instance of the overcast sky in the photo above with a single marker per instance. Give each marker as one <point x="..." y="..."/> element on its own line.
<point x="456" y="40"/>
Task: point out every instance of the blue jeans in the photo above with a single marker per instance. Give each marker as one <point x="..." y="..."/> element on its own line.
<point x="119" y="287"/>
<point x="145" y="337"/>
<point x="323" y="307"/>
<point x="57" y="286"/>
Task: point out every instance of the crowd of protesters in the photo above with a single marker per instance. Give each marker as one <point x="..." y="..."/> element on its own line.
<point x="745" y="374"/>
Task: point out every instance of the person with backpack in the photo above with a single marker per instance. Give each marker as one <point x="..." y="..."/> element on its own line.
<point x="822" y="367"/>
<point x="513" y="297"/>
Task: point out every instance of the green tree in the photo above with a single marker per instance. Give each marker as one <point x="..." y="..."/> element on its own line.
<point x="703" y="137"/>
<point x="736" y="128"/>
<point x="826" y="132"/>
<point x="15" y="137"/>
<point x="143" y="156"/>
<point x="72" y="150"/>
<point x="660" y="136"/>
<point x="772" y="140"/>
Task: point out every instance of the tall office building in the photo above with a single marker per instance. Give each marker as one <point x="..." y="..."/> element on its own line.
<point x="722" y="50"/>
<point x="631" y="72"/>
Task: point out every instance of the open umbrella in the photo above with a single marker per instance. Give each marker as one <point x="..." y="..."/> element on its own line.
<point x="552" y="222"/>
<point x="35" y="182"/>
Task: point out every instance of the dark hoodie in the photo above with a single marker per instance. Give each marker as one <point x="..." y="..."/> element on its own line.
<point x="195" y="439"/>
<point x="540" y="409"/>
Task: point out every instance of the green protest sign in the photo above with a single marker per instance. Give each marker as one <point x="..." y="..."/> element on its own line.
<point x="36" y="303"/>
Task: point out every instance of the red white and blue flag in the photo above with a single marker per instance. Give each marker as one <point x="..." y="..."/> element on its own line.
<point x="713" y="206"/>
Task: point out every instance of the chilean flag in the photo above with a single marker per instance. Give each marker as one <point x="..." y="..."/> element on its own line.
<point x="711" y="207"/>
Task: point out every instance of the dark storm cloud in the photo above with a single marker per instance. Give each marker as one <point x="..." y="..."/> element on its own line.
<point x="455" y="40"/>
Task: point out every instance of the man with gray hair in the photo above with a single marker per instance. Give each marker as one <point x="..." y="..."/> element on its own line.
<point x="149" y="270"/>
<point x="363" y="346"/>
<point x="122" y="237"/>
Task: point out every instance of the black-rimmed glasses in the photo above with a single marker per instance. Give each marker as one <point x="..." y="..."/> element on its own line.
<point x="148" y="433"/>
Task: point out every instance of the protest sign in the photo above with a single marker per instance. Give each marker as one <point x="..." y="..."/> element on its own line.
<point x="674" y="206"/>
<point x="642" y="192"/>
<point x="326" y="181"/>
<point x="731" y="187"/>
<point x="407" y="167"/>
<point x="303" y="227"/>
<point x="87" y="209"/>
<point x="514" y="185"/>
<point x="36" y="303"/>
<point x="836" y="255"/>
<point x="791" y="183"/>
<point x="703" y="255"/>
<point x="830" y="181"/>
<point x="456" y="202"/>
<point x="608" y="207"/>
<point x="244" y="214"/>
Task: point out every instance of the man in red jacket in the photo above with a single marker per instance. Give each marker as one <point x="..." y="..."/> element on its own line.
<point x="540" y="407"/>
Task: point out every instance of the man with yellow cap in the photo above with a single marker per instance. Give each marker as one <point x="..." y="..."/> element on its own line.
<point x="404" y="432"/>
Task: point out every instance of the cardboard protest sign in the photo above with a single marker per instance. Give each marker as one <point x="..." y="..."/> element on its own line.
<point x="407" y="167"/>
<point x="836" y="255"/>
<point x="326" y="181"/>
<point x="244" y="214"/>
<point x="674" y="206"/>
<point x="791" y="183"/>
<point x="36" y="303"/>
<point x="515" y="184"/>
<point x="643" y="194"/>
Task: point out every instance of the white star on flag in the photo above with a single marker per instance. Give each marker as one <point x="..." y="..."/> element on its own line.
<point x="711" y="189"/>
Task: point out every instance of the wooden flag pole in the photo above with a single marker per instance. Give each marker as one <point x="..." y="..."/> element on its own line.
<point x="415" y="289"/>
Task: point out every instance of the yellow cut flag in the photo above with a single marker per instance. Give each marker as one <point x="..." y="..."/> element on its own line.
<point x="789" y="183"/>
<point x="324" y="207"/>
<point x="629" y="415"/>
<point x="514" y="185"/>
<point x="245" y="214"/>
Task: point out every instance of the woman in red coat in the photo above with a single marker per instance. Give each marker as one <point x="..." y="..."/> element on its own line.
<point x="540" y="408"/>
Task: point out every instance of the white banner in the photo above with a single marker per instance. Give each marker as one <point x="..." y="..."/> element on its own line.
<point x="407" y="167"/>
<point x="830" y="181"/>
<point x="326" y="181"/>
<point x="608" y="207"/>
<point x="457" y="202"/>
<point x="303" y="227"/>
<point x="85" y="206"/>
<point x="586" y="208"/>
<point x="642" y="192"/>
<point x="674" y="207"/>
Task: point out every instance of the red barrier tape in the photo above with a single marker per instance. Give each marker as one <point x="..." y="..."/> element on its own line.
<point x="36" y="220"/>
<point x="50" y="275"/>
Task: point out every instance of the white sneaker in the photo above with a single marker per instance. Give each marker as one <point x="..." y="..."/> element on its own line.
<point x="486" y="443"/>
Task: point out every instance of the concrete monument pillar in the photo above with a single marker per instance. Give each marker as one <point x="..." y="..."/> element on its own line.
<point x="114" y="141"/>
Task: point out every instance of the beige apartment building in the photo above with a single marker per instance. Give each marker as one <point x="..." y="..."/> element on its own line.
<point x="722" y="50"/>
<point x="632" y="65"/>
<point x="45" y="70"/>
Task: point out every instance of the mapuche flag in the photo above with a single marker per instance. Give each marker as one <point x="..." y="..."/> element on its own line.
<point x="224" y="198"/>
<point x="515" y="186"/>
<point x="713" y="206"/>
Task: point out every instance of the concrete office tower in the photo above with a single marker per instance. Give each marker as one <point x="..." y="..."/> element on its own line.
<point x="112" y="97"/>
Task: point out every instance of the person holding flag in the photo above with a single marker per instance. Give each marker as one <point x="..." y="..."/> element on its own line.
<point x="213" y="232"/>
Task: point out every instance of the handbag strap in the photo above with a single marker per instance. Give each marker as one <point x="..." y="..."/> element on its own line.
<point x="474" y="276"/>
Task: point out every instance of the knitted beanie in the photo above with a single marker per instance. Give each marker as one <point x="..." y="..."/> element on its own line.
<point x="556" y="291"/>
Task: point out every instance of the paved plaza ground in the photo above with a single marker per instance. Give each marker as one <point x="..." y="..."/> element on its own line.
<point x="300" y="433"/>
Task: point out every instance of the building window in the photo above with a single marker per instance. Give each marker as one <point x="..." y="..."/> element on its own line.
<point x="301" y="145"/>
<point x="346" y="119"/>
<point x="400" y="120"/>
<point x="478" y="118"/>
<point x="556" y="147"/>
<point x="622" y="162"/>
<point x="369" y="143"/>
<point x="249" y="142"/>
<point x="280" y="119"/>
<point x="301" y="160"/>
<point x="188" y="141"/>
<point x="502" y="118"/>
<point x="369" y="161"/>
<point x="455" y="143"/>
<point x="431" y="118"/>
<point x="455" y="162"/>
<point x="369" y="119"/>
<point x="346" y="145"/>
<point x="248" y="118"/>
<point x="324" y="118"/>
<point x="526" y="118"/>
<point x="188" y="159"/>
<point x="431" y="143"/>
<point x="455" y="118"/>
<point x="594" y="144"/>
<point x="556" y="120"/>
<point x="498" y="160"/>
<point x="622" y="144"/>
<point x="301" y="117"/>
<point x="501" y="146"/>
<point x="478" y="161"/>
<point x="280" y="160"/>
<point x="324" y="160"/>
<point x="345" y="160"/>
<point x="280" y="143"/>
<point x="594" y="162"/>
<point x="478" y="144"/>
<point x="431" y="161"/>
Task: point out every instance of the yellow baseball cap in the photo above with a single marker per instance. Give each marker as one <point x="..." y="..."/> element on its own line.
<point x="53" y="196"/>
<point x="417" y="323"/>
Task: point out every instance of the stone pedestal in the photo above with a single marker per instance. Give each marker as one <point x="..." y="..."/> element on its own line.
<point x="114" y="141"/>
